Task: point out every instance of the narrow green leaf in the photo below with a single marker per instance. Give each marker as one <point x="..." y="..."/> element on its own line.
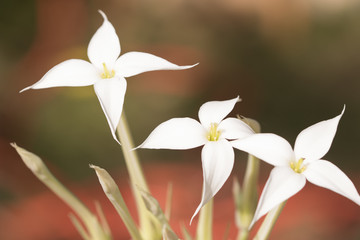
<point x="269" y="222"/>
<point x="238" y="201"/>
<point x="204" y="227"/>
<point x="103" y="220"/>
<point x="79" y="227"/>
<point x="154" y="207"/>
<point x="185" y="232"/>
<point x="168" y="234"/>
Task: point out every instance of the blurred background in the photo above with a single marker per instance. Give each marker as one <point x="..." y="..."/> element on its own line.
<point x="294" y="63"/>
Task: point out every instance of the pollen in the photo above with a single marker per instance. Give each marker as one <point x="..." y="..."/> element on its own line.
<point x="213" y="134"/>
<point x="107" y="73"/>
<point x="297" y="166"/>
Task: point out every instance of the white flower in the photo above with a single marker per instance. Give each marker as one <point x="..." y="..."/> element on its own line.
<point x="213" y="131"/>
<point x="293" y="167"/>
<point x="106" y="71"/>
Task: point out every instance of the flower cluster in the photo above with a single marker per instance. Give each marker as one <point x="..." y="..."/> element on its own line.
<point x="218" y="135"/>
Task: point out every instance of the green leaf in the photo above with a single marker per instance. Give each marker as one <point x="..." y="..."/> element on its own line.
<point x="154" y="207"/>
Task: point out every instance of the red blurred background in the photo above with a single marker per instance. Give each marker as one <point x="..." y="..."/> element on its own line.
<point x="293" y="63"/>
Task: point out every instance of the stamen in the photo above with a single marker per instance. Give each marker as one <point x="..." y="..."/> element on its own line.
<point x="297" y="166"/>
<point x="107" y="73"/>
<point x="214" y="134"/>
<point x="292" y="165"/>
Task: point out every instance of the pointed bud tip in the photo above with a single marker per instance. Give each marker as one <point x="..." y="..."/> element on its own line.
<point x="93" y="166"/>
<point x="252" y="123"/>
<point x="106" y="181"/>
<point x="14" y="145"/>
<point x="151" y="204"/>
<point x="32" y="161"/>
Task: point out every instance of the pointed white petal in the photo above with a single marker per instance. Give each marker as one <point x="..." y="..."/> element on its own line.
<point x="269" y="147"/>
<point x="133" y="63"/>
<point x="217" y="162"/>
<point x="233" y="128"/>
<point x="70" y="73"/>
<point x="315" y="141"/>
<point x="283" y="183"/>
<point x="111" y="93"/>
<point x="176" y="133"/>
<point x="325" y="174"/>
<point x="216" y="111"/>
<point x="104" y="46"/>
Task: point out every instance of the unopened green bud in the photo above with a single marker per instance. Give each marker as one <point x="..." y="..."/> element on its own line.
<point x="32" y="161"/>
<point x="255" y="125"/>
<point x="107" y="182"/>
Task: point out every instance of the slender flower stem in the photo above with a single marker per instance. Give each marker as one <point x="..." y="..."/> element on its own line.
<point x="204" y="228"/>
<point x="243" y="235"/>
<point x="137" y="177"/>
<point x="131" y="158"/>
<point x="248" y="197"/>
<point x="269" y="222"/>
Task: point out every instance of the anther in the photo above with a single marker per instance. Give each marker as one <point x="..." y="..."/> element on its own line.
<point x="297" y="166"/>
<point x="214" y="134"/>
<point x="107" y="73"/>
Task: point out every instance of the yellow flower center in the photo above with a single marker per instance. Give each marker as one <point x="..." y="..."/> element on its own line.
<point x="107" y="73"/>
<point x="213" y="134"/>
<point x="297" y="166"/>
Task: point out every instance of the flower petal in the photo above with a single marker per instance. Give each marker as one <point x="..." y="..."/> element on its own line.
<point x="176" y="133"/>
<point x="217" y="162"/>
<point x="70" y="73"/>
<point x="314" y="142"/>
<point x="283" y="183"/>
<point x="325" y="174"/>
<point x="133" y="63"/>
<point x="111" y="93"/>
<point x="269" y="147"/>
<point x="104" y="46"/>
<point x="233" y="128"/>
<point x="216" y="111"/>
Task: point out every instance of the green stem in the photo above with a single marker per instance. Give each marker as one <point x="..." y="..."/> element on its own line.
<point x="246" y="210"/>
<point x="243" y="234"/>
<point x="137" y="177"/>
<point x="249" y="193"/>
<point x="204" y="228"/>
<point x="269" y="222"/>
<point x="249" y="197"/>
